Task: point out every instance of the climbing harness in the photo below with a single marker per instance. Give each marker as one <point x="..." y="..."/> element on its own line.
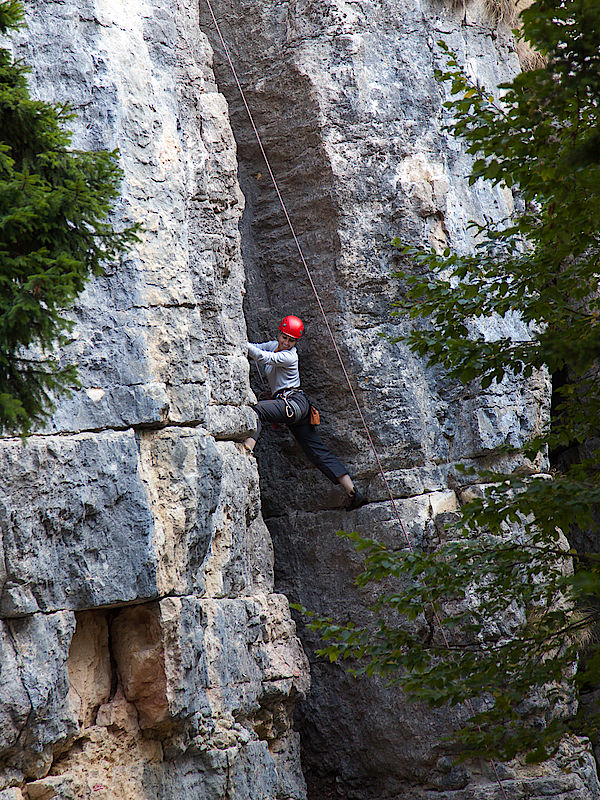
<point x="332" y="337"/>
<point x="293" y="410"/>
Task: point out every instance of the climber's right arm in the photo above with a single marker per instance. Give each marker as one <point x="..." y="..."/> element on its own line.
<point x="265" y="354"/>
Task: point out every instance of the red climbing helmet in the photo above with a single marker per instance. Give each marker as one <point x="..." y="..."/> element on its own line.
<point x="292" y="326"/>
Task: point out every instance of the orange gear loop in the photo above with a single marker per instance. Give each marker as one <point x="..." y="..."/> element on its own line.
<point x="329" y="330"/>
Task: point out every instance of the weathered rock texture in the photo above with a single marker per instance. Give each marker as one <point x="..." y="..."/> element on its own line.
<point x="144" y="653"/>
<point x="351" y="116"/>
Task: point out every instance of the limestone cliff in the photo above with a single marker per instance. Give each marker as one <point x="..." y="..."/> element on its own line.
<point x="345" y="98"/>
<point x="144" y="651"/>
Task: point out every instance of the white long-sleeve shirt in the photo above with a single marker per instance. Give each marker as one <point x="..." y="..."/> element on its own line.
<point x="281" y="368"/>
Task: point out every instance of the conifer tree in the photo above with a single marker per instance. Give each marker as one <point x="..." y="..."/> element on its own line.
<point x="55" y="232"/>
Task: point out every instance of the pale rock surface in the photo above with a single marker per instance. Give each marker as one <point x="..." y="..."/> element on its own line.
<point x="144" y="655"/>
<point x="90" y="673"/>
<point x="351" y="117"/>
<point x="165" y="506"/>
<point x="138" y="651"/>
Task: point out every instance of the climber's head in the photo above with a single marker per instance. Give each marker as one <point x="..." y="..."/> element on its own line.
<point x="292" y="327"/>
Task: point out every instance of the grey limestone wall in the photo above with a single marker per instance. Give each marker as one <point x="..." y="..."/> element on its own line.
<point x="144" y="653"/>
<point x="351" y="116"/>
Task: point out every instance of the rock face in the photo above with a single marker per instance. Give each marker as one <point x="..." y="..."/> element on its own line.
<point x="351" y="117"/>
<point x="145" y="654"/>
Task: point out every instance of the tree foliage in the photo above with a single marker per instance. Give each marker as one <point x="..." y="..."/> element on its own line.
<point x="514" y="614"/>
<point x="54" y="232"/>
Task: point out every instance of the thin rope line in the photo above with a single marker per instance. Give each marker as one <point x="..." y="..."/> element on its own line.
<point x="262" y="380"/>
<point x="332" y="337"/>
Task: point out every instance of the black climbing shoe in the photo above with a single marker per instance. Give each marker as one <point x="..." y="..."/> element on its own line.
<point x="355" y="500"/>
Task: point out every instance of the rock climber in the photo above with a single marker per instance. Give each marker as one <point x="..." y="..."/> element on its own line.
<point x="290" y="405"/>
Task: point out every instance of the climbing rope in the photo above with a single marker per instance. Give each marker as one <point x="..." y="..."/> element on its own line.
<point x="262" y="380"/>
<point x="332" y="337"/>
